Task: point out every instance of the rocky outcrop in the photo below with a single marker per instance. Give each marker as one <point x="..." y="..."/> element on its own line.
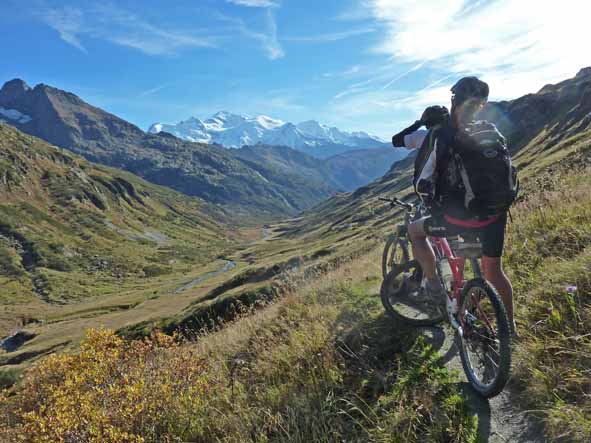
<point x="560" y="106"/>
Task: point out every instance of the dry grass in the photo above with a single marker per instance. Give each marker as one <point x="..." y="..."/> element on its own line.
<point x="549" y="257"/>
<point x="323" y="364"/>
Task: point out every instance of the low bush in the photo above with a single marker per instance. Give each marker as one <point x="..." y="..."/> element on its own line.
<point x="111" y="392"/>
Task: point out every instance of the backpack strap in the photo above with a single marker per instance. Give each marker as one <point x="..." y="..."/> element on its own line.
<point x="425" y="151"/>
<point x="445" y="142"/>
<point x="469" y="193"/>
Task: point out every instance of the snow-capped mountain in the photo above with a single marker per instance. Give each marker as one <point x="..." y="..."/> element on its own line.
<point x="235" y="131"/>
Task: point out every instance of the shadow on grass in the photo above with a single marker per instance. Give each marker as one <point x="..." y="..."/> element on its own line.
<point x="444" y="342"/>
<point x="374" y="347"/>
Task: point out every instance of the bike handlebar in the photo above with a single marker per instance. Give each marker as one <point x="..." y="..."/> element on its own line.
<point x="397" y="202"/>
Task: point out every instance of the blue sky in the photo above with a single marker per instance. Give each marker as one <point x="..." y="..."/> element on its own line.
<point x="368" y="65"/>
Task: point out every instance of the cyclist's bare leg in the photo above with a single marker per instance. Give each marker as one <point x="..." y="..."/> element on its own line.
<point x="422" y="250"/>
<point x="493" y="272"/>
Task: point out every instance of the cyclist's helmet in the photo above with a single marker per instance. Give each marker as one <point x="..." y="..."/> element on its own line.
<point x="470" y="87"/>
<point x="435" y="115"/>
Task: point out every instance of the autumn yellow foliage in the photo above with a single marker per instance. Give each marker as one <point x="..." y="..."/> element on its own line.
<point x="111" y="391"/>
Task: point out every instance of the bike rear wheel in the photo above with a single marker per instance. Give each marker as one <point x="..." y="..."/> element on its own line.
<point x="395" y="253"/>
<point x="485" y="345"/>
<point x="400" y="294"/>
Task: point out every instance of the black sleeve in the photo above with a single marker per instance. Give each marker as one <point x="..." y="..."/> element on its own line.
<point x="398" y="139"/>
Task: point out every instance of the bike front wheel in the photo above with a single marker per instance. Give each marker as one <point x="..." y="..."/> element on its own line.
<point x="485" y="344"/>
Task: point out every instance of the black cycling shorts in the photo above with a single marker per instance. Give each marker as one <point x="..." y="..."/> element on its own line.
<point x="492" y="236"/>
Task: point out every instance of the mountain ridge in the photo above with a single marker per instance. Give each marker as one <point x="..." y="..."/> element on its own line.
<point x="207" y="171"/>
<point x="343" y="172"/>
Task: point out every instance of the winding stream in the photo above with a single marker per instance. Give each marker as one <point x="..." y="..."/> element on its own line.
<point x="229" y="265"/>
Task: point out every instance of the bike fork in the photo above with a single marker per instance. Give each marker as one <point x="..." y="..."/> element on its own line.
<point x="452" y="311"/>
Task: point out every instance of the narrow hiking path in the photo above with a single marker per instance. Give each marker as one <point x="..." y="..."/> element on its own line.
<point x="500" y="419"/>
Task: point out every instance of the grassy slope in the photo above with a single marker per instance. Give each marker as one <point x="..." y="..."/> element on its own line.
<point x="77" y="236"/>
<point x="325" y="364"/>
<point x="549" y="250"/>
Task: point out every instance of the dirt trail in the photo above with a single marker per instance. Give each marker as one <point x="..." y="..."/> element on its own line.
<point x="499" y="419"/>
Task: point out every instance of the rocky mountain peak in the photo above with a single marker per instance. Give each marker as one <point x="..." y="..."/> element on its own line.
<point x="14" y="90"/>
<point x="585" y="72"/>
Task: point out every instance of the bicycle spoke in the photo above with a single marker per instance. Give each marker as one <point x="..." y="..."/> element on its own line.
<point x="484" y="337"/>
<point x="495" y="351"/>
<point x="492" y="361"/>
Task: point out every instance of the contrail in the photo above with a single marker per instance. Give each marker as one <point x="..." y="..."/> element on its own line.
<point x="404" y="74"/>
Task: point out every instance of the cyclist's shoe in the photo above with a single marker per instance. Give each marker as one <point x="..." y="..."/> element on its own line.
<point x="409" y="284"/>
<point x="435" y="292"/>
<point x="427" y="294"/>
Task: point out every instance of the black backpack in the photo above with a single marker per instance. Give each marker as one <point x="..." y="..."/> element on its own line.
<point x="484" y="169"/>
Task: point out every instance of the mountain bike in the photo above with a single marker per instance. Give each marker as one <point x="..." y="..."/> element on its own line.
<point x="472" y="307"/>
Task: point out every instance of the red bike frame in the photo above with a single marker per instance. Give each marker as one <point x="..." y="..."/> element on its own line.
<point x="456" y="265"/>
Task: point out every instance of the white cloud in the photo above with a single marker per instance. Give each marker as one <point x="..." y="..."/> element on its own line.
<point x="254" y="3"/>
<point x="346" y="73"/>
<point x="267" y="38"/>
<point x="120" y="27"/>
<point x="68" y="22"/>
<point x="404" y="74"/>
<point x="515" y="46"/>
<point x="270" y="40"/>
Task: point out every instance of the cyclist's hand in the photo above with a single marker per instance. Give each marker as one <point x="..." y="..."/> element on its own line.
<point x="435" y="115"/>
<point x="427" y="200"/>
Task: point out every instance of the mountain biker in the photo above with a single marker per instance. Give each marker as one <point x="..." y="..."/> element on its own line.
<point x="436" y="183"/>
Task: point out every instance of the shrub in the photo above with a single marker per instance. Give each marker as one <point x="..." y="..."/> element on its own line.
<point x="8" y="378"/>
<point x="155" y="270"/>
<point x="112" y="391"/>
<point x="10" y="262"/>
